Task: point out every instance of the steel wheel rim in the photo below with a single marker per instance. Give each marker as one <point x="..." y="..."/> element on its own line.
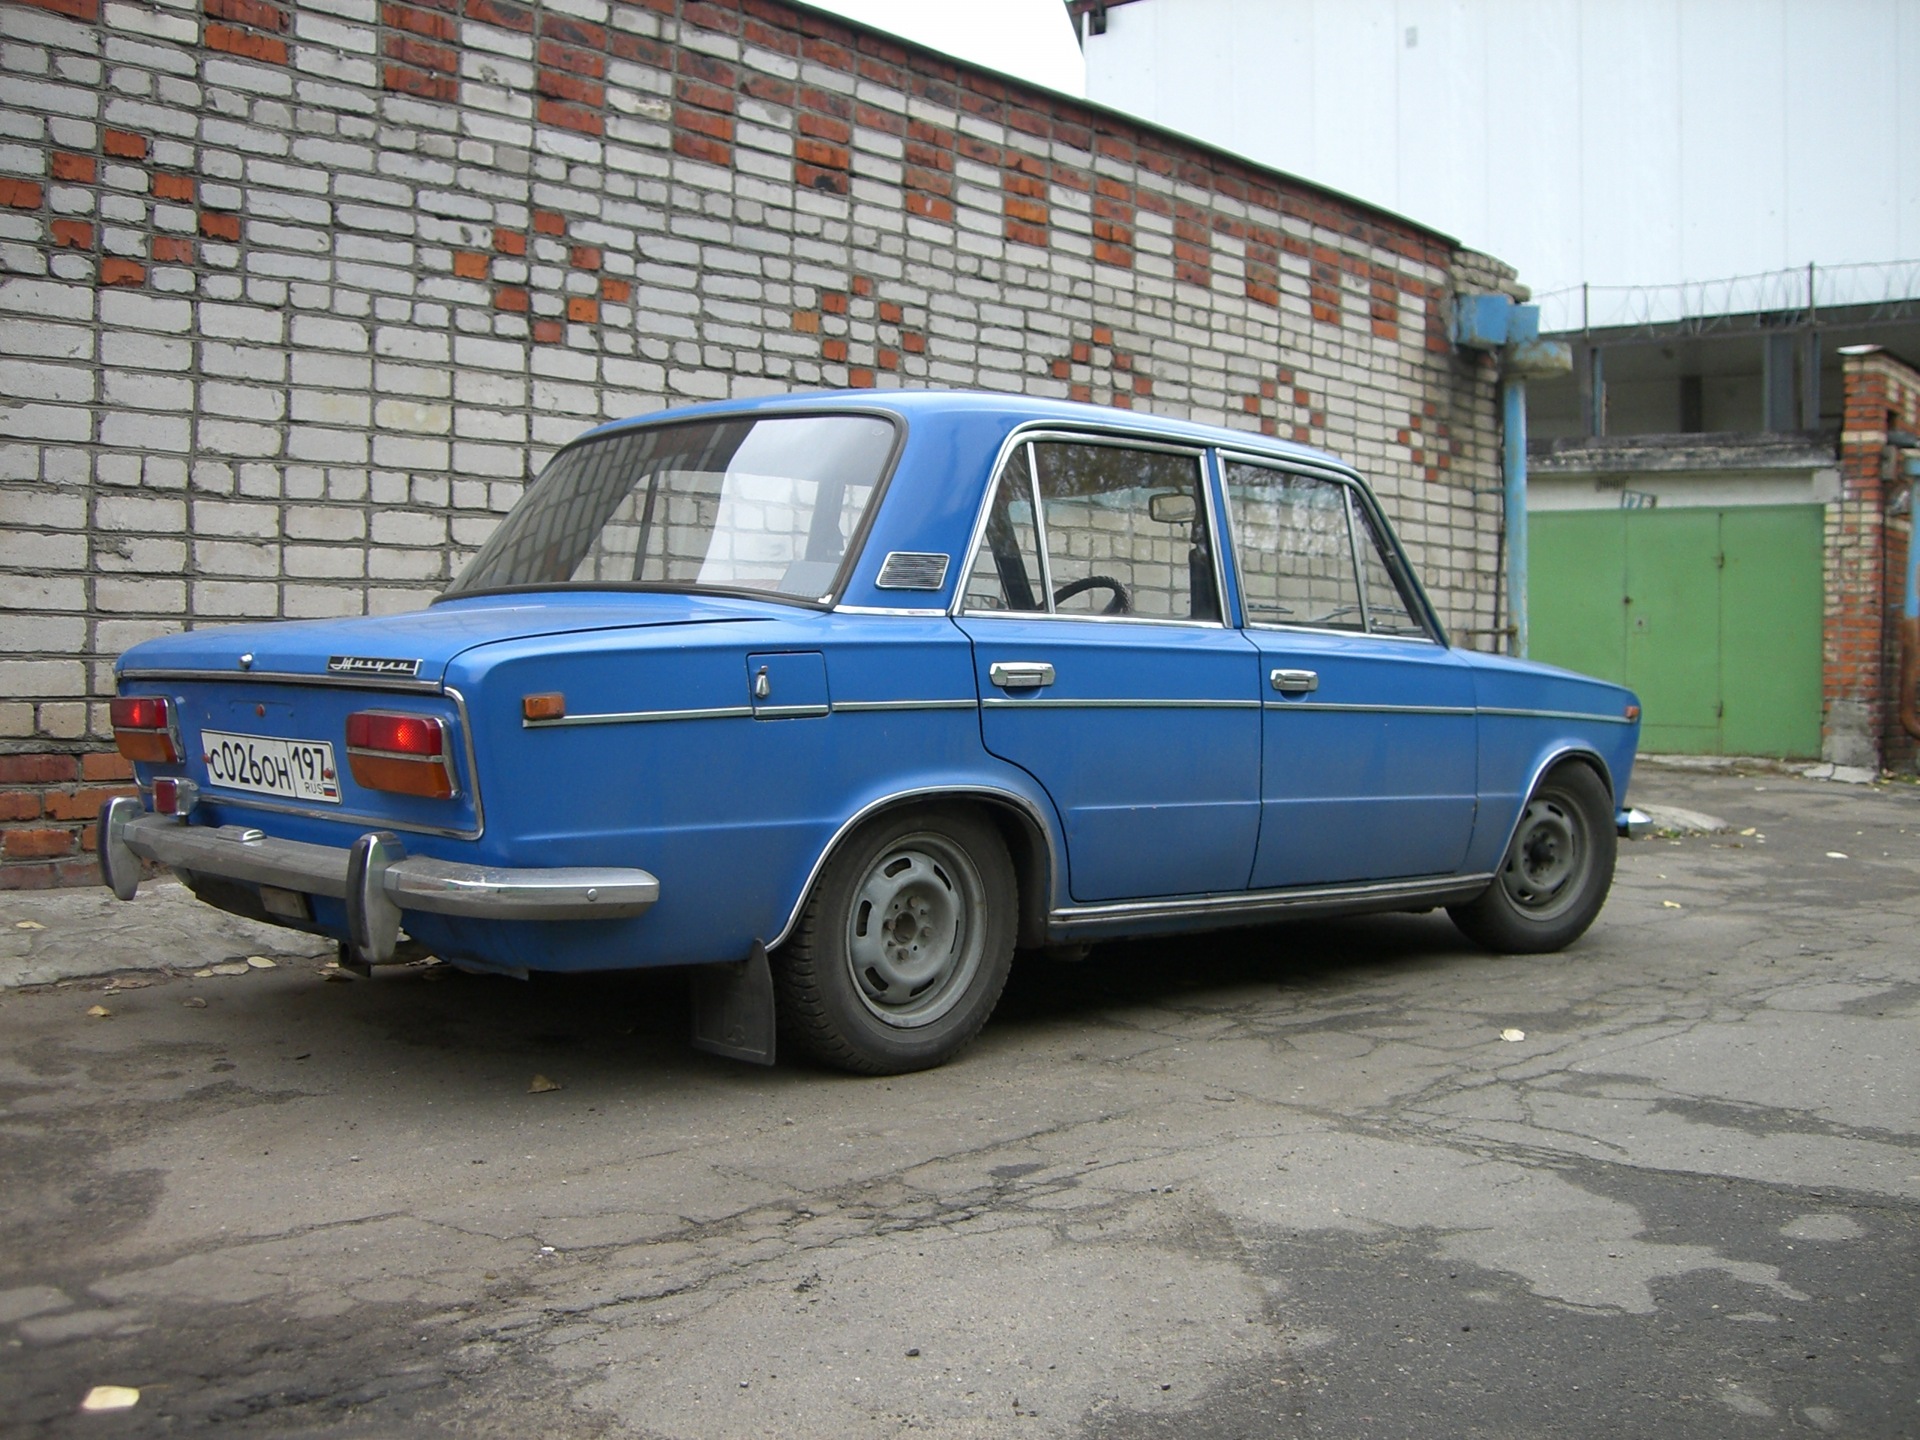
<point x="914" y="938"/>
<point x="1548" y="860"/>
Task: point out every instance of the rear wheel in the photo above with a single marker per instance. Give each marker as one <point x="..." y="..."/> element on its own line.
<point x="904" y="946"/>
<point x="1556" y="872"/>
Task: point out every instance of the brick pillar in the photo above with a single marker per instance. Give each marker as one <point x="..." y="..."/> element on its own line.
<point x="1864" y="574"/>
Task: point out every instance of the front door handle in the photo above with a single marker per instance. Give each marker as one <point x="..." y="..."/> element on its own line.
<point x="1295" y="682"/>
<point x="1020" y="674"/>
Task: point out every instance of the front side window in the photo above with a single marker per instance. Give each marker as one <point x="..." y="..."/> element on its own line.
<point x="1310" y="554"/>
<point x="1078" y="528"/>
<point x="760" y="505"/>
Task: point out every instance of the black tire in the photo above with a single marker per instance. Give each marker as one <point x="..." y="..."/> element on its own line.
<point x="904" y="947"/>
<point x="1557" y="870"/>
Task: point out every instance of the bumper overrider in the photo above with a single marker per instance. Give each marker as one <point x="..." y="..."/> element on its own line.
<point x="374" y="877"/>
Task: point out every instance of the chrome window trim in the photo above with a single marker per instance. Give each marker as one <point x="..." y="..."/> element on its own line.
<point x="1099" y="619"/>
<point x="1253" y="902"/>
<point x="1357" y="493"/>
<point x="1036" y="432"/>
<point x="957" y="792"/>
<point x="925" y="614"/>
<point x="1285" y="629"/>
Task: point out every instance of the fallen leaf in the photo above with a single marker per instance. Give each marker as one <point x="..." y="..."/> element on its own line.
<point x="202" y="974"/>
<point x="111" y="1397"/>
<point x="541" y="1085"/>
<point x="262" y="962"/>
<point x="1837" y="855"/>
<point x="335" y="975"/>
<point x="1673" y="904"/>
<point x="1750" y="830"/>
<point x="1510" y="1034"/>
<point x="28" y="925"/>
<point x="98" y="1012"/>
<point x="231" y="967"/>
<point x="196" y="1003"/>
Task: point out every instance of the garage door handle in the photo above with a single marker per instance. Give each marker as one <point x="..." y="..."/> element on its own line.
<point x="1020" y="674"/>
<point x="1295" y="682"/>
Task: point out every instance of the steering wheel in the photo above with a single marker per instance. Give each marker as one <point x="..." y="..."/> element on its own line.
<point x="1118" y="605"/>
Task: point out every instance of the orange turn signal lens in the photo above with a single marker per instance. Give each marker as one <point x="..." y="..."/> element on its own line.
<point x="1633" y="712"/>
<point x="551" y="706"/>
<point x="143" y="728"/>
<point x="404" y="754"/>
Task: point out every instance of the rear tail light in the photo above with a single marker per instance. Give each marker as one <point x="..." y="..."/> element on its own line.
<point x="143" y="728"/>
<point x="406" y="754"/>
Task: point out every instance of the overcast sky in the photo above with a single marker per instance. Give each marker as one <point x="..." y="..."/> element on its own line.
<point x="1030" y="39"/>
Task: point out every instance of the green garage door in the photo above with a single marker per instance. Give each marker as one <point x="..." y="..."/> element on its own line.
<point x="1712" y="616"/>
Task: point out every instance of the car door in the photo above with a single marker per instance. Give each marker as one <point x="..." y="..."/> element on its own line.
<point x="1105" y="669"/>
<point x="1368" y="733"/>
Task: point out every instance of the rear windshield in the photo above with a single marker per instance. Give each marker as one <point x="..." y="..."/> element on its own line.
<point x="761" y="505"/>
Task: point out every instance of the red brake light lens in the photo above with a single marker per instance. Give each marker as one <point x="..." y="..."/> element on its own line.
<point x="143" y="728"/>
<point x="404" y="754"/>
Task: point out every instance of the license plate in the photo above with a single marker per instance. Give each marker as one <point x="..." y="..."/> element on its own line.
<point x="293" y="769"/>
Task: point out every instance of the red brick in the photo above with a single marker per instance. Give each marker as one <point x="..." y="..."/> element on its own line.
<point x="860" y="379"/>
<point x="806" y="321"/>
<point x="172" y="250"/>
<point x="834" y="302"/>
<point x="570" y="117"/>
<point x="835" y="350"/>
<point x="115" y="271"/>
<point x="548" y="332"/>
<point x="913" y="344"/>
<point x="584" y="257"/>
<point x="405" y="80"/>
<point x="87" y="10"/>
<point x="509" y="297"/>
<point x="583" y="310"/>
<point x="697" y="66"/>
<point x="74" y="169"/>
<point x="244" y="43"/>
<point x="73" y="234"/>
<point x="569" y="31"/>
<point x="105" y="765"/>
<point x="509" y="242"/>
<point x="423" y="54"/>
<point x="708" y="152"/>
<point x="548" y="222"/>
<point x="930" y="206"/>
<point x="615" y="292"/>
<point x="173" y="187"/>
<point x="577" y="62"/>
<point x="891" y="313"/>
<point x="559" y="85"/>
<point x="471" y="264"/>
<point x="430" y="23"/>
<point x="247" y="12"/>
<point x="219" y="227"/>
<point x="506" y="17"/>
<point x="21" y="194"/>
<point x="710" y="17"/>
<point x="38" y="844"/>
<point x="19" y="805"/>
<point x="81" y="804"/>
<point x="863" y="284"/>
<point x="889" y="359"/>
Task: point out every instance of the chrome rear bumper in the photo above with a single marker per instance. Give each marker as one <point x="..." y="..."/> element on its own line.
<point x="374" y="877"/>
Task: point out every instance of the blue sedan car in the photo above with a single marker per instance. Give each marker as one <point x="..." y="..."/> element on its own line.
<point x="843" y="698"/>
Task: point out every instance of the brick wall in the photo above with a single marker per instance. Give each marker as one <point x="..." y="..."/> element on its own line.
<point x="1866" y="567"/>
<point x="294" y="297"/>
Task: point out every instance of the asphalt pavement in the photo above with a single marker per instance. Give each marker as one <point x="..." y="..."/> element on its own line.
<point x="1343" y="1179"/>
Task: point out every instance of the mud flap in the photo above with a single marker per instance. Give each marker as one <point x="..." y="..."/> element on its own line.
<point x="733" y="1008"/>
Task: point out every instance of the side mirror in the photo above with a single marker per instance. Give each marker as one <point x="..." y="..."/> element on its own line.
<point x="1172" y="507"/>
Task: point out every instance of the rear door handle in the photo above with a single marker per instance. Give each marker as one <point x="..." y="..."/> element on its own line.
<point x="1020" y="674"/>
<point x="1295" y="682"/>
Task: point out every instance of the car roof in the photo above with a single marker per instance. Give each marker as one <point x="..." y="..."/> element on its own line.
<point x="1023" y="409"/>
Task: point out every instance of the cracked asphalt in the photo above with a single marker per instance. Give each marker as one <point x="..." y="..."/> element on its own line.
<point x="1275" y="1183"/>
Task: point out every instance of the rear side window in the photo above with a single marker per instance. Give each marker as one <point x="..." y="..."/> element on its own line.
<point x="1310" y="554"/>
<point x="1082" y="528"/>
<point x="760" y="505"/>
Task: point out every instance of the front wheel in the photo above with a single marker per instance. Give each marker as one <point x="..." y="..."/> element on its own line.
<point x="1556" y="872"/>
<point x="904" y="946"/>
